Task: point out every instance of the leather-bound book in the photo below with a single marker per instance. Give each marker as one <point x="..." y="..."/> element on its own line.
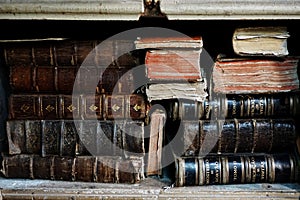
<point x="236" y="136"/>
<point x="102" y="169"/>
<point x="76" y="137"/>
<point x="229" y="106"/>
<point x="219" y="169"/>
<point x="60" y="106"/>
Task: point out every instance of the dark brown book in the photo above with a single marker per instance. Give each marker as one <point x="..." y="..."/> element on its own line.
<point x="277" y="105"/>
<point x="57" y="66"/>
<point x="104" y="169"/>
<point x="76" y="137"/>
<point x="59" y="106"/>
<point x="236" y="136"/>
<point x="236" y="169"/>
<point x="68" y="52"/>
<point x="255" y="75"/>
<point x="62" y="79"/>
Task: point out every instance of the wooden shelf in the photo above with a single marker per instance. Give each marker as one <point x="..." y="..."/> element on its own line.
<point x="150" y="188"/>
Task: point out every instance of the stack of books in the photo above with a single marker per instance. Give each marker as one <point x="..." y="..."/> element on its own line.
<point x="73" y="114"/>
<point x="252" y="135"/>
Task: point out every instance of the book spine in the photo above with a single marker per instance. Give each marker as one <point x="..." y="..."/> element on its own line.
<point x="76" y="137"/>
<point x="53" y="53"/>
<point x="156" y="137"/>
<point x="101" y="106"/>
<point x="62" y="79"/>
<point x="237" y="106"/>
<point x="236" y="169"/>
<point x="237" y="135"/>
<point x="106" y="169"/>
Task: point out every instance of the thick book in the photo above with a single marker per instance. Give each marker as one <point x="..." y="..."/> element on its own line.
<point x="275" y="105"/>
<point x="76" y="137"/>
<point x="255" y="75"/>
<point x="236" y="136"/>
<point x="102" y="169"/>
<point x="85" y="106"/>
<point x="221" y="169"/>
<point x="62" y="79"/>
<point x="261" y="41"/>
<point x="68" y="52"/>
<point x="173" y="65"/>
<point x="172" y="58"/>
<point x="57" y="66"/>
<point x="196" y="91"/>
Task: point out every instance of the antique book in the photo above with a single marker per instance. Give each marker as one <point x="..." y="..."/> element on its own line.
<point x="62" y="79"/>
<point x="196" y="91"/>
<point x="275" y="105"/>
<point x="169" y="42"/>
<point x="220" y="169"/>
<point x="235" y="136"/>
<point x="76" y="137"/>
<point x="255" y="75"/>
<point x="60" y="106"/>
<point x="102" y="169"/>
<point x="261" y="41"/>
<point x="173" y="65"/>
<point x="156" y="141"/>
<point x="69" y="52"/>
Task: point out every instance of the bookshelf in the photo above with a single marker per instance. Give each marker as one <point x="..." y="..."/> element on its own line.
<point x="214" y="20"/>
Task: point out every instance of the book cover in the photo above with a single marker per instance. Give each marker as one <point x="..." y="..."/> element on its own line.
<point x="60" y="106"/>
<point x="236" y="136"/>
<point x="236" y="169"/>
<point x="102" y="169"/>
<point x="76" y="137"/>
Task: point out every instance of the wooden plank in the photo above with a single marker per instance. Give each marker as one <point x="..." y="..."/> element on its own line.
<point x="224" y="9"/>
<point x="71" y="9"/>
<point x="149" y="189"/>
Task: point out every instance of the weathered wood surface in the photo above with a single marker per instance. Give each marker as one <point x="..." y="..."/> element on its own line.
<point x="148" y="189"/>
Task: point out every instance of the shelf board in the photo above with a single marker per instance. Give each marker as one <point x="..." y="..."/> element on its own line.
<point x="150" y="188"/>
<point x="132" y="10"/>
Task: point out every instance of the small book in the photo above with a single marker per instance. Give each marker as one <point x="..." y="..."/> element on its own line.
<point x="179" y="41"/>
<point x="260" y="41"/>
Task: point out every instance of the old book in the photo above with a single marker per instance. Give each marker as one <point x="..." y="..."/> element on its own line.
<point x="62" y="79"/>
<point x="69" y="52"/>
<point x="58" y="65"/>
<point x="247" y="105"/>
<point x="156" y="141"/>
<point x="59" y="106"/>
<point x="196" y="91"/>
<point x="236" y="136"/>
<point x="76" y="137"/>
<point x="255" y="75"/>
<point x="261" y="41"/>
<point x="236" y="169"/>
<point x="170" y="42"/>
<point x="173" y="65"/>
<point x="102" y="169"/>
